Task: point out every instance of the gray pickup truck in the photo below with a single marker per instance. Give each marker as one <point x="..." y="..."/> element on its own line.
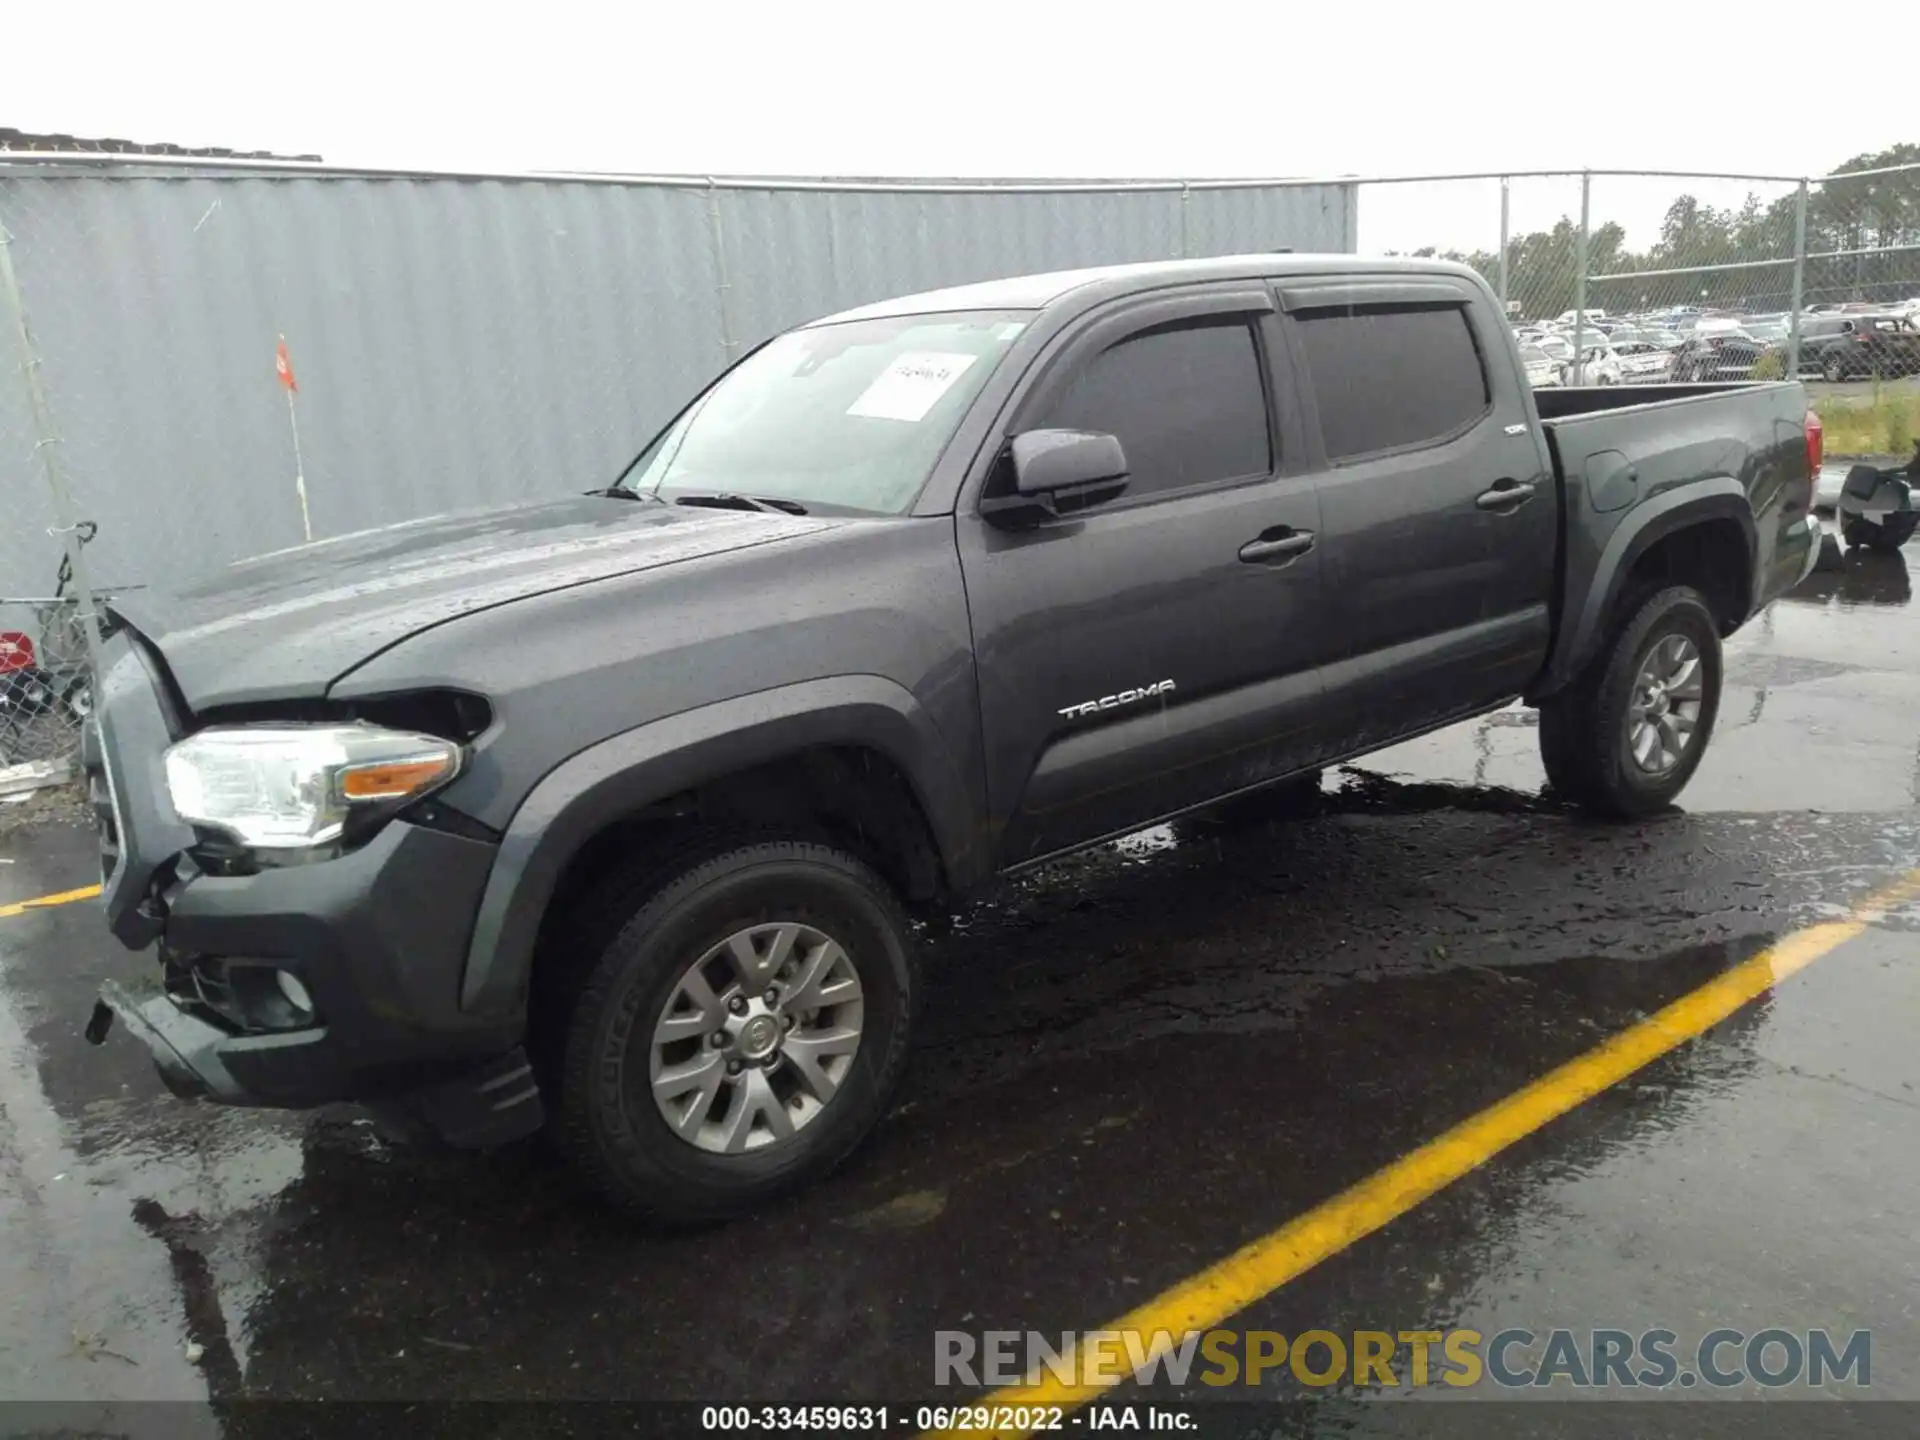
<point x="608" y="813"/>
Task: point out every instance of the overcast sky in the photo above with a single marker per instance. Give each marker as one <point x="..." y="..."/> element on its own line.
<point x="987" y="88"/>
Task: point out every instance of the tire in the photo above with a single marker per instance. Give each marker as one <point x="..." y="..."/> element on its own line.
<point x="77" y="700"/>
<point x="1586" y="732"/>
<point x="1886" y="537"/>
<point x="606" y="1119"/>
<point x="1832" y="371"/>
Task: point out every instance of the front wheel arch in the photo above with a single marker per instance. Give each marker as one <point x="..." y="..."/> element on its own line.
<point x="646" y="773"/>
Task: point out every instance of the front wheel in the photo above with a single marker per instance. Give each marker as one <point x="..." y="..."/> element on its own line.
<point x="1625" y="738"/>
<point x="739" y="1033"/>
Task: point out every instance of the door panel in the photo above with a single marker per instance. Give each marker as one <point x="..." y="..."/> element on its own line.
<point x="1122" y="601"/>
<point x="1131" y="662"/>
<point x="1440" y="549"/>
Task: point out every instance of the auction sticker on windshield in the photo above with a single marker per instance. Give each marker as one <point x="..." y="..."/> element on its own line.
<point x="911" y="386"/>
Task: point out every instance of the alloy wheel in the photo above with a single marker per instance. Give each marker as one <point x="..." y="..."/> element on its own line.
<point x="756" y="1038"/>
<point x="1663" y="713"/>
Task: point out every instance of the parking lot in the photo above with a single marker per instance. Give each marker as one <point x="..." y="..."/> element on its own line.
<point x="1132" y="1064"/>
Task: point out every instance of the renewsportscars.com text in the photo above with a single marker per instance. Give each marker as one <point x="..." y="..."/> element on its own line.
<point x="1582" y="1359"/>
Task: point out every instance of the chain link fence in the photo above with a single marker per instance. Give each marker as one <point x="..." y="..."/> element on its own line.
<point x="1652" y="278"/>
<point x="45" y="691"/>
<point x="49" y="641"/>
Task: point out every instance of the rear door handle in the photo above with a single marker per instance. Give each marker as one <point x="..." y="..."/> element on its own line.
<point x="1505" y="496"/>
<point x="1279" y="544"/>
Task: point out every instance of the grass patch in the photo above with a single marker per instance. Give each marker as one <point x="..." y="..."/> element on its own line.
<point x="1880" y="424"/>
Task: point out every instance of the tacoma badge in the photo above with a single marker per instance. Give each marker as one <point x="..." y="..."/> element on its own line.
<point x="1114" y="702"/>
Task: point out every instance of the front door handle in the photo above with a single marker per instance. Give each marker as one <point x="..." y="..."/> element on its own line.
<point x="1506" y="496"/>
<point x="1280" y="544"/>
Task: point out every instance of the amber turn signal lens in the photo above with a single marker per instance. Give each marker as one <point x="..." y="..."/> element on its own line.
<point x="393" y="781"/>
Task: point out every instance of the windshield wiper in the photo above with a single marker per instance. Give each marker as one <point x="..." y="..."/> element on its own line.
<point x="617" y="492"/>
<point x="726" y="500"/>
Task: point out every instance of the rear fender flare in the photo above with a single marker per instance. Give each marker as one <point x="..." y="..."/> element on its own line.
<point x="1713" y="498"/>
<point x="626" y="772"/>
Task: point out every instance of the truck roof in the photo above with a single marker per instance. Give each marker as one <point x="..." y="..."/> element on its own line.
<point x="1108" y="282"/>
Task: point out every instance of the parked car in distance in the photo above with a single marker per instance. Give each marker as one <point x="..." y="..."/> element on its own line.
<point x="1556" y="345"/>
<point x="1720" y="355"/>
<point x="1660" y="339"/>
<point x="1598" y="365"/>
<point x="609" y="812"/>
<point x="1542" y="368"/>
<point x="1643" y="362"/>
<point x="1767" y="329"/>
<point x="1567" y="317"/>
<point x="1844" y="346"/>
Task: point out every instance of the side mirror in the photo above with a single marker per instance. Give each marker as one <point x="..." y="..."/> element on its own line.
<point x="1058" y="472"/>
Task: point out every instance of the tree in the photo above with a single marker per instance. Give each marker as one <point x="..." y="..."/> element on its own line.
<point x="1875" y="214"/>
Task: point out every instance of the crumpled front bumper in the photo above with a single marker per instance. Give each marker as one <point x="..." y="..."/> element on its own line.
<point x="186" y="1050"/>
<point x="376" y="937"/>
<point x="485" y="1104"/>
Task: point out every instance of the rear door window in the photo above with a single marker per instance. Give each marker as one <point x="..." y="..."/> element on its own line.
<point x="1388" y="378"/>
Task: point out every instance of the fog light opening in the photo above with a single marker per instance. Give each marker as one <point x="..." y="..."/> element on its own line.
<point x="296" y="994"/>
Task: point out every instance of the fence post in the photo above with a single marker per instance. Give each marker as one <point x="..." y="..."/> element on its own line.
<point x="1799" y="283"/>
<point x="722" y="287"/>
<point x="1503" y="247"/>
<point x="1186" y="197"/>
<point x="46" y="446"/>
<point x="1580" y="281"/>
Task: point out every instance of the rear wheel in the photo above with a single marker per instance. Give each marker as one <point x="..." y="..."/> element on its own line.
<point x="1625" y="739"/>
<point x="739" y="1032"/>
<point x="1832" y="370"/>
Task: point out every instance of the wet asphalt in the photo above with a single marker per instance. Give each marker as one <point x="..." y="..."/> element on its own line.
<point x="1132" y="1062"/>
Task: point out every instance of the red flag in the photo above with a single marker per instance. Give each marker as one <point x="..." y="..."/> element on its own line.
<point x="283" y="367"/>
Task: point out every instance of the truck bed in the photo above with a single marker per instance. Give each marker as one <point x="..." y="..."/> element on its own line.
<point x="1565" y="402"/>
<point x="1617" y="449"/>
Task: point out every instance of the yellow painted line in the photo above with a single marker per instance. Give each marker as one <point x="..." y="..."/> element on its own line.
<point x="65" y="897"/>
<point x="1263" y="1266"/>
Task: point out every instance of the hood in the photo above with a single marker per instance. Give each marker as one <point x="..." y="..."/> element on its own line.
<point x="287" y="625"/>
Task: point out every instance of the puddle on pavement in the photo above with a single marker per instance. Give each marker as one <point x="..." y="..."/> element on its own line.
<point x="1221" y="1006"/>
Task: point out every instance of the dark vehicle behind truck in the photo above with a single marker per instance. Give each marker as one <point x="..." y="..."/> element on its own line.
<point x="608" y="813"/>
<point x="1722" y="355"/>
<point x="1858" y="347"/>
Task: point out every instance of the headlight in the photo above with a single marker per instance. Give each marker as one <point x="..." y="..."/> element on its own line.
<point x="297" y="787"/>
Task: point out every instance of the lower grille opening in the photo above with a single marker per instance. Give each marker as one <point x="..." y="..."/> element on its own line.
<point x="249" y="997"/>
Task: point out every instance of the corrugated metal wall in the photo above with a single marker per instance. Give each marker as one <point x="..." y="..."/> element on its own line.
<point x="461" y="341"/>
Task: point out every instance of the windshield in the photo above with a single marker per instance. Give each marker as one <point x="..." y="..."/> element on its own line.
<point x="839" y="417"/>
